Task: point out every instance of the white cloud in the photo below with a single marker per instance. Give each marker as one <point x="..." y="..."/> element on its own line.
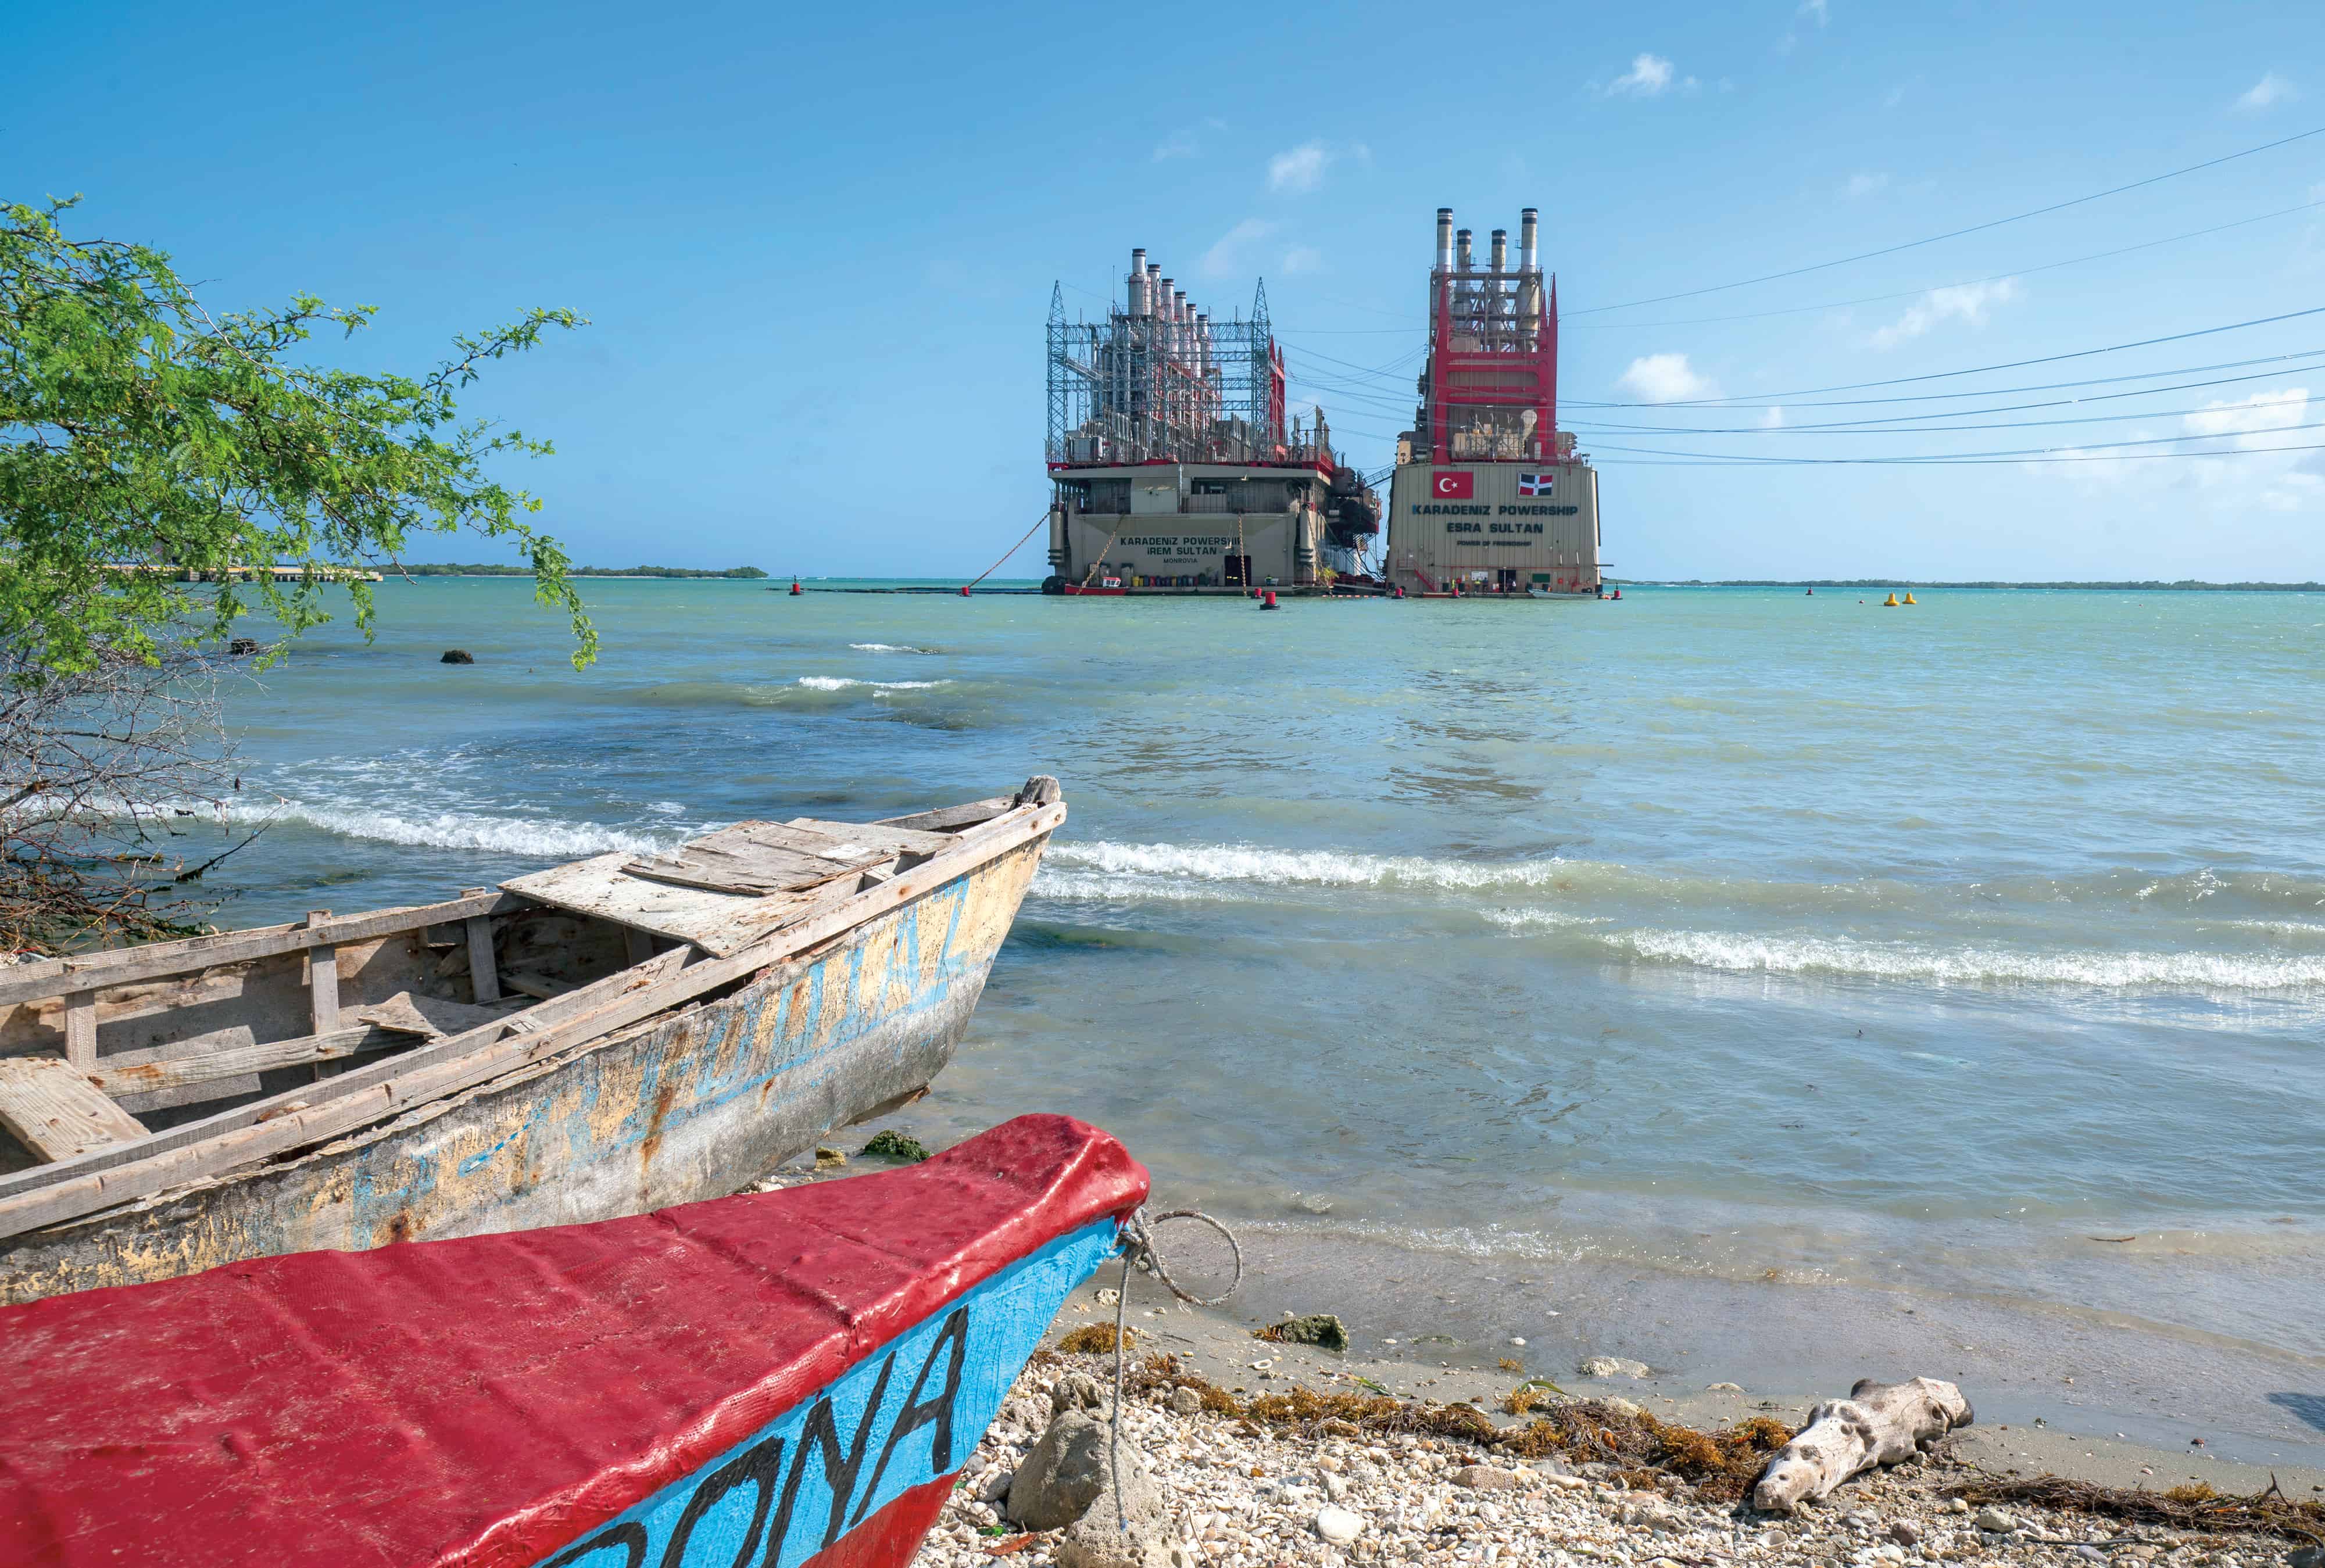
<point x="1863" y="185"/>
<point x="1650" y="75"/>
<point x="1968" y="303"/>
<point x="1187" y="141"/>
<point x="1666" y="378"/>
<point x="1894" y="97"/>
<point x="1301" y="169"/>
<point x="1814" y="10"/>
<point x="2253" y="420"/>
<point x="1774" y="420"/>
<point x="1226" y="257"/>
<point x="2271" y="90"/>
<point x="1301" y="259"/>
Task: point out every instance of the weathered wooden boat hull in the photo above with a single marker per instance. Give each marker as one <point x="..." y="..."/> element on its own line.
<point x="778" y="1380"/>
<point x="677" y="1109"/>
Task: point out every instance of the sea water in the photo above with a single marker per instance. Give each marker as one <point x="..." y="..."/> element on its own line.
<point x="1711" y="976"/>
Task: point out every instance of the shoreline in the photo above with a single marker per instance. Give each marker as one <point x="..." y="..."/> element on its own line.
<point x="1233" y="1483"/>
<point x="2089" y="1395"/>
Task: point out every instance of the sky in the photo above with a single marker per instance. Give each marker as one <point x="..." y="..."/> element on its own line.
<point x="816" y="248"/>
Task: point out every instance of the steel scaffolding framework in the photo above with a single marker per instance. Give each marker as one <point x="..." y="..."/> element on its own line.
<point x="1159" y="381"/>
<point x="1489" y="393"/>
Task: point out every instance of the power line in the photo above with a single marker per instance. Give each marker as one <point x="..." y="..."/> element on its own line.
<point x="1955" y="233"/>
<point x="1676" y="461"/>
<point x="2275" y="359"/>
<point x="1965" y="284"/>
<point x="1854" y="428"/>
<point x="1418" y="321"/>
<point x="2021" y="453"/>
<point x="1890" y="425"/>
<point x="1975" y="370"/>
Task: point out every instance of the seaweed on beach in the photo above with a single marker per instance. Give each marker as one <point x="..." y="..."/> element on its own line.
<point x="1096" y="1339"/>
<point x="1719" y="1465"/>
<point x="2196" y="1508"/>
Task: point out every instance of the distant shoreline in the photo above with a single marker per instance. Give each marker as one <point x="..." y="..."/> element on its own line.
<point x="2186" y="585"/>
<point x="449" y="569"/>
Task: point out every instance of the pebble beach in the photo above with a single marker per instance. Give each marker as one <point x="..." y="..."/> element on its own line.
<point x="1237" y="1494"/>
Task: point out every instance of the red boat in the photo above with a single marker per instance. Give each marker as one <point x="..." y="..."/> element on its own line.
<point x="784" y="1379"/>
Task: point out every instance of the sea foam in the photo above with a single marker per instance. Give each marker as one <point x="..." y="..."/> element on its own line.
<point x="842" y="683"/>
<point x="550" y="838"/>
<point x="1969" y="965"/>
<point x="1226" y="862"/>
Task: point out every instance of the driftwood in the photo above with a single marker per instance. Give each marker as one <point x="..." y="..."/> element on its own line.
<point x="1877" y="1424"/>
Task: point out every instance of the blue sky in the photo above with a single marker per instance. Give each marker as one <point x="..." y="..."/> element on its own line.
<point x="817" y="245"/>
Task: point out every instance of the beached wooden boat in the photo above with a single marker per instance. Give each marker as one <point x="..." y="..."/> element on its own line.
<point x="597" y="1040"/>
<point x="777" y="1378"/>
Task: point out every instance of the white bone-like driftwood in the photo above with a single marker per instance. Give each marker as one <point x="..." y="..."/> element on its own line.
<point x="1877" y="1424"/>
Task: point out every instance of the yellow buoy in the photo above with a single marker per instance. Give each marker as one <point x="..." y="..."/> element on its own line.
<point x="1909" y="598"/>
<point x="1890" y="602"/>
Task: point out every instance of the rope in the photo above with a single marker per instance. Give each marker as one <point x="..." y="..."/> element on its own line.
<point x="1012" y="551"/>
<point x="1138" y="1249"/>
<point x="1102" y="551"/>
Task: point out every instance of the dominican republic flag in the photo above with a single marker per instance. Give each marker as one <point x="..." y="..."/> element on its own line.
<point x="1537" y="484"/>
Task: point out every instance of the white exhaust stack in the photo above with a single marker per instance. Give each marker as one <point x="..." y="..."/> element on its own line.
<point x="1529" y="231"/>
<point x="1444" y="239"/>
<point x="1501" y="249"/>
<point x="1461" y="252"/>
<point x="1138" y="283"/>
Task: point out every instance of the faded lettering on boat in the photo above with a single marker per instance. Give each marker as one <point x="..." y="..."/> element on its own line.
<point x="881" y="1444"/>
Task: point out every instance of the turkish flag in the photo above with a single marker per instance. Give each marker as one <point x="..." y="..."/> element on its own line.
<point x="1444" y="486"/>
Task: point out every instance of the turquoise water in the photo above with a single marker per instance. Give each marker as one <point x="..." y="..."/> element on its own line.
<point x="1728" y="935"/>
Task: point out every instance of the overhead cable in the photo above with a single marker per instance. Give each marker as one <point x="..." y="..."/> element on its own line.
<point x="1965" y="284"/>
<point x="2025" y="452"/>
<point x="1974" y="370"/>
<point x="1955" y="233"/>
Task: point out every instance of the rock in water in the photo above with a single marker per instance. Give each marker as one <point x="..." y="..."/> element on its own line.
<point x="1612" y="1367"/>
<point x="1321" y="1329"/>
<point x="457" y="656"/>
<point x="1338" y="1526"/>
<point x="894" y="1145"/>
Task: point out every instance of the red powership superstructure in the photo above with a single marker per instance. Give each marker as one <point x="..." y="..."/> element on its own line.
<point x="1489" y="496"/>
<point x="1490" y="390"/>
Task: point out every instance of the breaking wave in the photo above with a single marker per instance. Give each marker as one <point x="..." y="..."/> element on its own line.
<point x="888" y="648"/>
<point x="1100" y="888"/>
<point x="1224" y="863"/>
<point x="1972" y="965"/>
<point x="842" y="683"/>
<point x="550" y="838"/>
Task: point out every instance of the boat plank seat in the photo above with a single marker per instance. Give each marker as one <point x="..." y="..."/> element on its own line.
<point x="884" y="836"/>
<point x="762" y="858"/>
<point x="56" y="1113"/>
<point x="726" y="889"/>
<point x="719" y="923"/>
<point x="952" y="819"/>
